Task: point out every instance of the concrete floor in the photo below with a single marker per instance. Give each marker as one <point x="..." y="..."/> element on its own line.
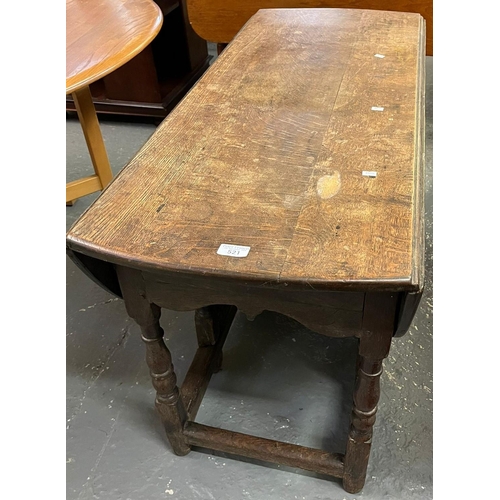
<point x="279" y="380"/>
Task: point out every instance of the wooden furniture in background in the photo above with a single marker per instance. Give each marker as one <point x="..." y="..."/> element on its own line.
<point x="219" y="20"/>
<point x="303" y="146"/>
<point x="101" y="36"/>
<point x="154" y="81"/>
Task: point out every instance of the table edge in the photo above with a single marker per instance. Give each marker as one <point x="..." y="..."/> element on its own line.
<point x="418" y="244"/>
<point x="85" y="82"/>
<point x="398" y="284"/>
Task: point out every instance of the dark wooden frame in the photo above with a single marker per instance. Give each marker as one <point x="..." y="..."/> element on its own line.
<point x="374" y="317"/>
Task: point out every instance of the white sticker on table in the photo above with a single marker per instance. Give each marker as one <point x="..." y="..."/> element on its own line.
<point x="233" y="250"/>
<point x="369" y="173"/>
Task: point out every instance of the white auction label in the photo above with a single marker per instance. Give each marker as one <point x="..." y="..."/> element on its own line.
<point x="233" y="250"/>
<point x="369" y="173"/>
<point x="377" y="108"/>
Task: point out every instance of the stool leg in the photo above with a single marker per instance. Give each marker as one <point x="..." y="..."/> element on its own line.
<point x="93" y="136"/>
<point x="366" y="396"/>
<point x="159" y="360"/>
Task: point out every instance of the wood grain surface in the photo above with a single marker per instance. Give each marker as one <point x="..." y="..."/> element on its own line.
<point x="102" y="35"/>
<point x="268" y="151"/>
<point x="219" y="20"/>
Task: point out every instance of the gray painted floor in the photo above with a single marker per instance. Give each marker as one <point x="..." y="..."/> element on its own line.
<point x="279" y="380"/>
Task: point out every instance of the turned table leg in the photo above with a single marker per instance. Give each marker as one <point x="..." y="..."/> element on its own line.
<point x="374" y="345"/>
<point x="366" y="396"/>
<point x="168" y="401"/>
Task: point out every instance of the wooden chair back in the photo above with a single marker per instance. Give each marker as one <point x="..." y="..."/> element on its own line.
<point x="219" y="20"/>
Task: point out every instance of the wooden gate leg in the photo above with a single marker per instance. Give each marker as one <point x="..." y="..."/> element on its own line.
<point x="212" y="326"/>
<point x="212" y="322"/>
<point x="158" y="358"/>
<point x="375" y="342"/>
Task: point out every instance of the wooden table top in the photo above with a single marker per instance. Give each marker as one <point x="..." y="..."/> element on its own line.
<point x="271" y="150"/>
<point x="220" y="20"/>
<point x="102" y="35"/>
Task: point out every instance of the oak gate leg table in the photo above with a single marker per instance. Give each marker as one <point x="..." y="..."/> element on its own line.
<point x="289" y="179"/>
<point x="101" y="36"/>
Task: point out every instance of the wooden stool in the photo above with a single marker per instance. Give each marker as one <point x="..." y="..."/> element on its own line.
<point x="98" y="41"/>
<point x="289" y="179"/>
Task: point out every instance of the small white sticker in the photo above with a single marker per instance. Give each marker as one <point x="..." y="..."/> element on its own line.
<point x="233" y="250"/>
<point x="369" y="173"/>
<point x="376" y="108"/>
<point x="381" y="56"/>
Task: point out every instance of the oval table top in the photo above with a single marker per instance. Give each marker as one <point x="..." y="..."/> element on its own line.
<point x="102" y="35"/>
<point x="302" y="145"/>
